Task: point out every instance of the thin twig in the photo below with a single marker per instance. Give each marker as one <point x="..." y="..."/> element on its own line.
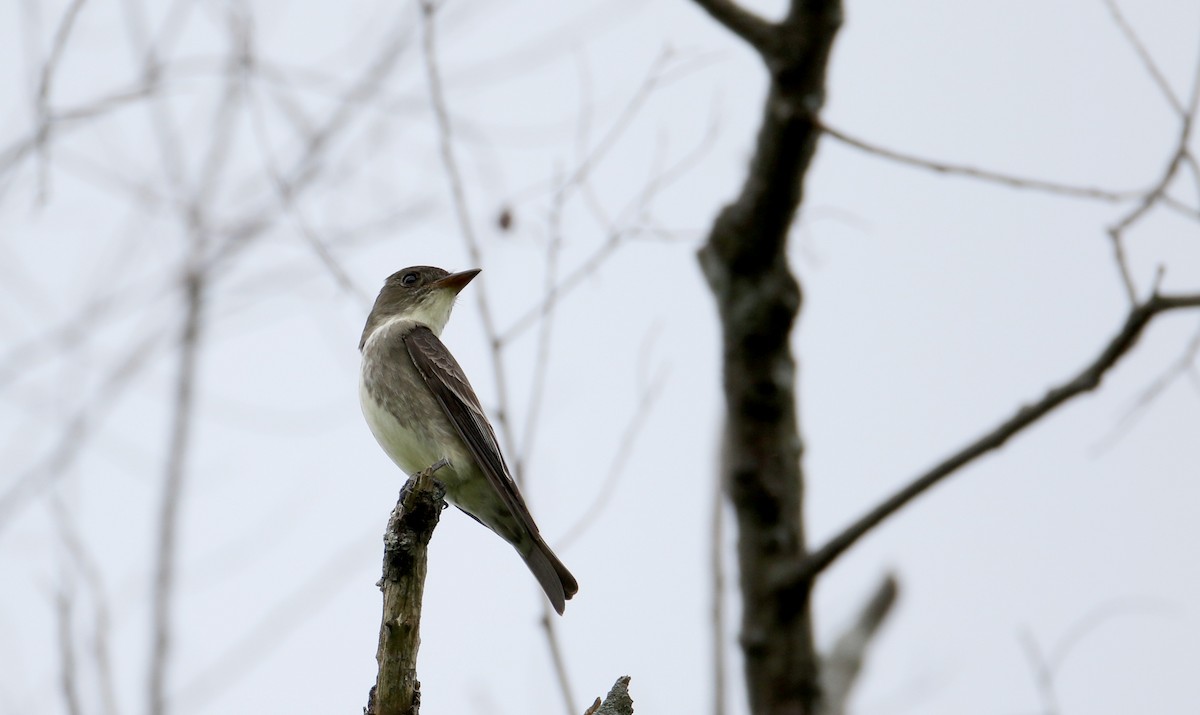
<point x="78" y="429"/>
<point x="995" y="177"/>
<point x="59" y="122"/>
<point x="541" y="359"/>
<point x="42" y="101"/>
<point x="1181" y="367"/>
<point x="287" y="201"/>
<point x="1180" y="157"/>
<point x="68" y="678"/>
<point x="716" y="562"/>
<point x="194" y="283"/>
<point x="549" y="627"/>
<point x="242" y="64"/>
<point x="1143" y="54"/>
<point x="617" y="231"/>
<point x="86" y="565"/>
<point x="1091" y="621"/>
<point x="624" y="120"/>
<point x="1046" y="664"/>
<point x="620" y="457"/>
<point x="660" y="75"/>
<point x="241" y="233"/>
<point x="1085" y="381"/>
<point x="1043" y="674"/>
<point x="1116" y="232"/>
<point x="462" y="213"/>
<point x="172" y="496"/>
<point x="549" y="622"/>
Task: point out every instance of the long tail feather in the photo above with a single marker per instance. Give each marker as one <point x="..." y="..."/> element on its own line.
<point x="555" y="579"/>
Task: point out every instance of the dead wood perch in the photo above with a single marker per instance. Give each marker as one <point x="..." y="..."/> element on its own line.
<point x="405" y="560"/>
<point x="617" y="702"/>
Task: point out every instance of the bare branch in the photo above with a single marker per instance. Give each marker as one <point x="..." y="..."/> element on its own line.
<point x="1184" y="365"/>
<point x="660" y="74"/>
<point x="86" y="565"/>
<point x="841" y="667"/>
<point x="256" y="644"/>
<point x="42" y="101"/>
<point x="1043" y="675"/>
<point x="1016" y="182"/>
<point x="474" y="250"/>
<point x="620" y="457"/>
<point x="59" y="121"/>
<point x="194" y="282"/>
<point x="741" y="22"/>
<point x="1085" y="381"/>
<point x="1144" y="55"/>
<point x="716" y="548"/>
<point x="172" y="496"/>
<point x="463" y="214"/>
<point x="545" y="329"/>
<point x="1117" y="231"/>
<point x="550" y="628"/>
<point x="602" y="148"/>
<point x="1091" y="621"/>
<point x="1181" y="157"/>
<point x="75" y="433"/>
<point x="618" y="232"/>
<point x="1045" y="664"/>
<point x="69" y="670"/>
<point x="283" y="189"/>
<point x="306" y="168"/>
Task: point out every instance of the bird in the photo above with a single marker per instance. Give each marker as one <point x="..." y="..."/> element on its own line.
<point x="421" y="409"/>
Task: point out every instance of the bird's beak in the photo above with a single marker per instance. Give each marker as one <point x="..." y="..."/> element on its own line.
<point x="456" y="281"/>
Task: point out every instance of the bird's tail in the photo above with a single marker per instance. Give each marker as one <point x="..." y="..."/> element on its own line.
<point x="556" y="580"/>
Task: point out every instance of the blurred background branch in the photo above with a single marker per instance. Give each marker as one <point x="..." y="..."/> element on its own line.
<point x="198" y="199"/>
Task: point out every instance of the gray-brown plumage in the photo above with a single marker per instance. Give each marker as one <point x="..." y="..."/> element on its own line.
<point x="421" y="408"/>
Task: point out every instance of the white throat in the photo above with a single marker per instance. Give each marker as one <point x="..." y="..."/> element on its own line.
<point x="433" y="311"/>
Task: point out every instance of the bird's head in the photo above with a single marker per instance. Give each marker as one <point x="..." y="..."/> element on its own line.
<point x="423" y="294"/>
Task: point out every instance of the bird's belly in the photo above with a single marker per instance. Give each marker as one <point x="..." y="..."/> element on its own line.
<point x="409" y="447"/>
<point x="415" y="447"/>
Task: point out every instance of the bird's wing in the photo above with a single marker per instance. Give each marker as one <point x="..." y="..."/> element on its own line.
<point x="446" y="380"/>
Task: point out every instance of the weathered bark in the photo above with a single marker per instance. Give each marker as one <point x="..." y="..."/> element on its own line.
<point x="758" y="299"/>
<point x="617" y="702"/>
<point x="405" y="558"/>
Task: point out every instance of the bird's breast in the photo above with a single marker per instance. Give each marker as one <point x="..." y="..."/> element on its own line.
<point x="407" y="421"/>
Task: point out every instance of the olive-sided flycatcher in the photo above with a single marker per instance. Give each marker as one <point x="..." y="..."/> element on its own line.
<point x="421" y="409"/>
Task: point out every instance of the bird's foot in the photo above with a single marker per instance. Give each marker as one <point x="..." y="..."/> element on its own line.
<point x="424" y="478"/>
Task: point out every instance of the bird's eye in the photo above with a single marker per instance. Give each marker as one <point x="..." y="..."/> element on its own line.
<point x="409" y="279"/>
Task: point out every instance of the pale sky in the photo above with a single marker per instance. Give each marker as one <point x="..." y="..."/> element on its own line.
<point x="934" y="307"/>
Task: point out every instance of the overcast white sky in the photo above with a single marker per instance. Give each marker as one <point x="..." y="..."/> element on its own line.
<point x="934" y="307"/>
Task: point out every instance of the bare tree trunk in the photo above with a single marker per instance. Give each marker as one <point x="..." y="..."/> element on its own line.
<point x="758" y="298"/>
